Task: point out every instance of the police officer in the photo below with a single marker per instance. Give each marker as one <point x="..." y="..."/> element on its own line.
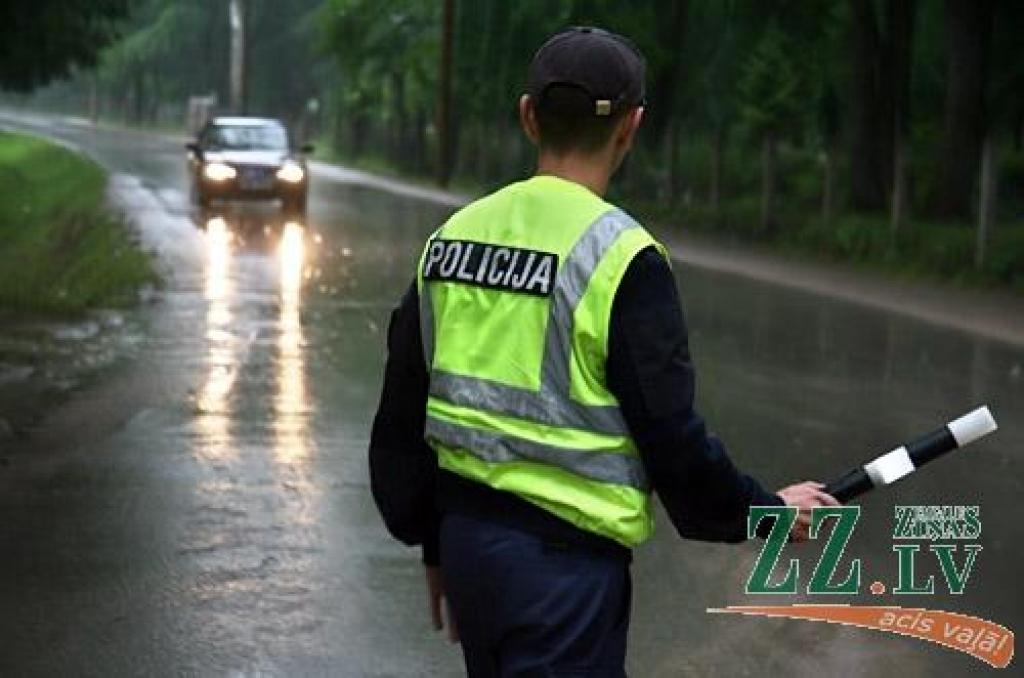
<point x="539" y="387"/>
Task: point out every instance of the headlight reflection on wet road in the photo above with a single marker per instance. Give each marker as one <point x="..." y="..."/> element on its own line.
<point x="291" y="406"/>
<point x="221" y="359"/>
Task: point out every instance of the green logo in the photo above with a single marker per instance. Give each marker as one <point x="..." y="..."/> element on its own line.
<point x="830" y="577"/>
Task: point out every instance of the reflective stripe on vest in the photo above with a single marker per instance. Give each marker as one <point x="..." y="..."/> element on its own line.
<point x="604" y="467"/>
<point x="552" y="403"/>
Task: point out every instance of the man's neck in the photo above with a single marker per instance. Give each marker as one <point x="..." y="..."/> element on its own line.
<point x="589" y="171"/>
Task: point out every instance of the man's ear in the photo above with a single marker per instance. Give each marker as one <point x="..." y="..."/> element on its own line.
<point x="528" y="119"/>
<point x="629" y="126"/>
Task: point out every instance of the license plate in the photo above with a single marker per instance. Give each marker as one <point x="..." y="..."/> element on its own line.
<point x="255" y="180"/>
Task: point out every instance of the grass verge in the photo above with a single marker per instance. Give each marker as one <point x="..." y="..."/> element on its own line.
<point x="922" y="250"/>
<point x="61" y="249"/>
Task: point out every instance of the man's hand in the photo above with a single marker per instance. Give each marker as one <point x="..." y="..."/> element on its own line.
<point x="436" y="600"/>
<point x="805" y="496"/>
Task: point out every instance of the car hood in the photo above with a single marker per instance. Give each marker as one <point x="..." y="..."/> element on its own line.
<point x="266" y="158"/>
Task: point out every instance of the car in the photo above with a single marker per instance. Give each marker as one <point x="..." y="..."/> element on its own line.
<point x="247" y="158"/>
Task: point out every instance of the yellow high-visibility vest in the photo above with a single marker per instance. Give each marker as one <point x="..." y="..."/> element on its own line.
<point x="516" y="293"/>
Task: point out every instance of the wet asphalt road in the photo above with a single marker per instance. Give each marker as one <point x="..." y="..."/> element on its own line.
<point x="201" y="505"/>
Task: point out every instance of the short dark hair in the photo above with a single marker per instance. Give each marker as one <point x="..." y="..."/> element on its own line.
<point x="566" y="121"/>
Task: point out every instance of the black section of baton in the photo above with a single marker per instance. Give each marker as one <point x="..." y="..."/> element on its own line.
<point x="853" y="484"/>
<point x="930" y="446"/>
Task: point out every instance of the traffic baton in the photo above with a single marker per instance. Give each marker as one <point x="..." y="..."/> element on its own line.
<point x="904" y="460"/>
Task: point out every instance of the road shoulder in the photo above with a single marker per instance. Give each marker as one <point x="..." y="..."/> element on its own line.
<point x="994" y="314"/>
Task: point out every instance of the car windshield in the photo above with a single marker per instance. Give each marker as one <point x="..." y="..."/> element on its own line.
<point x="248" y="138"/>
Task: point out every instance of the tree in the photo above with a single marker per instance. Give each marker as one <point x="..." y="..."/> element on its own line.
<point x="387" y="56"/>
<point x="770" y="92"/>
<point x="879" y="103"/>
<point x="1006" y="86"/>
<point x="901" y="29"/>
<point x="716" y="40"/>
<point x="44" y="39"/>
<point x="445" y="147"/>
<point x="828" y="126"/>
<point x="968" y="32"/>
<point x="144" y="67"/>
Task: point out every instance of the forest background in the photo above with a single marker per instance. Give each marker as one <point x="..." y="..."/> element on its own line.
<point x="884" y="132"/>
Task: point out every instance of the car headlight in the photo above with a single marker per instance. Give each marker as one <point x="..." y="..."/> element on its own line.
<point x="291" y="172"/>
<point x="218" y="171"/>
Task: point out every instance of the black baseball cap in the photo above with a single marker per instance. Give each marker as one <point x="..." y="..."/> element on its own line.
<point x="608" y="68"/>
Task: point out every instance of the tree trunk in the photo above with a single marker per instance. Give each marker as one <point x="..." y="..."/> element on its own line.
<point x="476" y="152"/>
<point x="419" y="142"/>
<point x="717" y="159"/>
<point x="672" y="177"/>
<point x="901" y="41"/>
<point x="493" y="145"/>
<point x="399" y="132"/>
<point x="139" y="101"/>
<point x="360" y="126"/>
<point x="986" y="201"/>
<point x="126" y="104"/>
<point x="94" y="98"/>
<point x="899" y="187"/>
<point x="828" y="186"/>
<point x="445" y="147"/>
<point x="670" y="32"/>
<point x="338" y="119"/>
<point x="867" y="157"/>
<point x="767" y="182"/>
<point x="968" y="31"/>
<point x="901" y="32"/>
<point x="881" y="78"/>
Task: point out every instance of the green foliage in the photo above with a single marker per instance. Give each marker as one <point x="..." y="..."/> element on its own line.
<point x="157" y="40"/>
<point x="43" y="39"/>
<point x="373" y="42"/>
<point x="770" y="85"/>
<point x="722" y="74"/>
<point x="1006" y="262"/>
<point x="60" y="249"/>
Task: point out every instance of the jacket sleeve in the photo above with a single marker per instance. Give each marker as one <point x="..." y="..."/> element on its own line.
<point x="403" y="467"/>
<point x="650" y="372"/>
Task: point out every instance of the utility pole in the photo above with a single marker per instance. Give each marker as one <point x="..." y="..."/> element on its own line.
<point x="444" y="96"/>
<point x="237" y="16"/>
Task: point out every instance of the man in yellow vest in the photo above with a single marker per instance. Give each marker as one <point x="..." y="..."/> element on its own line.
<point x="539" y="387"/>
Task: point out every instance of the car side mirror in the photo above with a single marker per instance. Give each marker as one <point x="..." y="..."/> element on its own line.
<point x="307" y="148"/>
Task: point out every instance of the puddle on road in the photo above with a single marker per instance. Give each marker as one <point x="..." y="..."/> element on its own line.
<point x="42" y="360"/>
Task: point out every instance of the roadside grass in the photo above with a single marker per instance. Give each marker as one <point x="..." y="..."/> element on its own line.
<point x="61" y="249"/>
<point x="377" y="163"/>
<point x="922" y="250"/>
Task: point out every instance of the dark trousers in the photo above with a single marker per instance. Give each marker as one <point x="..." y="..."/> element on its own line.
<point x="529" y="608"/>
